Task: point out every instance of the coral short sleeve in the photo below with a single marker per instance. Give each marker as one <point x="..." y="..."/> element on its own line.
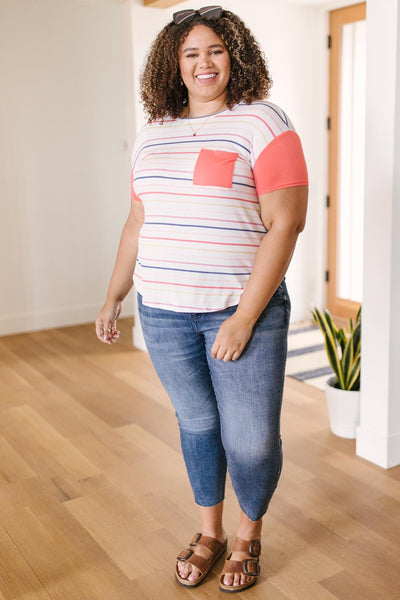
<point x="281" y="164"/>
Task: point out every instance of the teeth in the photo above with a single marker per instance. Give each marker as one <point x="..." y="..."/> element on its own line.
<point x="210" y="76"/>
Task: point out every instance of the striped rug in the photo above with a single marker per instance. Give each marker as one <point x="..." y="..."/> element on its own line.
<point x="307" y="360"/>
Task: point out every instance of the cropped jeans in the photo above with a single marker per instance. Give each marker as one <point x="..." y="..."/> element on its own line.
<point x="228" y="413"/>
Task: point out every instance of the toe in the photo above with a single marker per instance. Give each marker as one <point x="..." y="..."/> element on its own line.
<point x="194" y="574"/>
<point x="183" y="569"/>
<point x="236" y="579"/>
<point x="228" y="579"/>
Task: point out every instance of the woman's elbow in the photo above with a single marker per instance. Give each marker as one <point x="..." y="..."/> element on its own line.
<point x="300" y="225"/>
<point x="291" y="226"/>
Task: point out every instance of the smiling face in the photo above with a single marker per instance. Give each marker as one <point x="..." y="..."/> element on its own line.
<point x="205" y="68"/>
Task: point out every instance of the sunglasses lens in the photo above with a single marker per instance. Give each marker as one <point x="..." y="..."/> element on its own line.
<point x="211" y="12"/>
<point x="207" y="12"/>
<point x="182" y="15"/>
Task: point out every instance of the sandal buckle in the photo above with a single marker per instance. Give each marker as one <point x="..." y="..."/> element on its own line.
<point x="255" y="548"/>
<point x="252" y="562"/>
<point x="195" y="540"/>
<point x="183" y="556"/>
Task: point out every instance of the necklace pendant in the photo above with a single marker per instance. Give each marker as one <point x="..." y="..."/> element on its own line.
<point x="194" y="134"/>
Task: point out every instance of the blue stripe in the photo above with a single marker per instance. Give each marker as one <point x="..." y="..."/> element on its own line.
<point x="283" y="118"/>
<point x="206" y="227"/>
<point x="306" y="350"/>
<point x="303" y="329"/>
<point x="312" y="374"/>
<point x="185" y="179"/>
<point x="189" y="270"/>
<point x="161" y="177"/>
<point x="190" y="142"/>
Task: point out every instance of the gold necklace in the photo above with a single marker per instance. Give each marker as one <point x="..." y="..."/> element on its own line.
<point x="196" y="131"/>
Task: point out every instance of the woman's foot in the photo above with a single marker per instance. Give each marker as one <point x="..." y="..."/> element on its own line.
<point x="248" y="531"/>
<point x="241" y="567"/>
<point x="195" y="562"/>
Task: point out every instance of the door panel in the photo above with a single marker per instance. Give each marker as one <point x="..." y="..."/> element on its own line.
<point x="346" y="159"/>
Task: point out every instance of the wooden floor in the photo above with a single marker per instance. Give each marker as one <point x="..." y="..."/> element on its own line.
<point x="95" y="505"/>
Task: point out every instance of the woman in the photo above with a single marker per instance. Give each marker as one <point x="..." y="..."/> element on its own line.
<point x="219" y="195"/>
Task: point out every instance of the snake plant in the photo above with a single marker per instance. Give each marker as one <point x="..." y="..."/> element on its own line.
<point x="343" y="349"/>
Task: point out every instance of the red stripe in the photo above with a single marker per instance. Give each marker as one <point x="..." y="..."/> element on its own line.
<point x="206" y="287"/>
<point x="205" y="219"/>
<point x="145" y="237"/>
<point x="195" y="308"/>
<point x="201" y="196"/>
<point x="189" y="262"/>
<point x="255" y="116"/>
<point x="137" y="171"/>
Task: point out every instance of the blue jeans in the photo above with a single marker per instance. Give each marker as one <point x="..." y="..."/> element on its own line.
<point x="228" y="413"/>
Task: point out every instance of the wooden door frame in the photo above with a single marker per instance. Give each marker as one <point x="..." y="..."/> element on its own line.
<point x="338" y="306"/>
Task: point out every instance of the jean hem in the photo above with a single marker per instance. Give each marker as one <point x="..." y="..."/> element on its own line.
<point x="208" y="505"/>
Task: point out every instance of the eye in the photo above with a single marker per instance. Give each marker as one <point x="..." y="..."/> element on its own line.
<point x="191" y="55"/>
<point x="216" y="52"/>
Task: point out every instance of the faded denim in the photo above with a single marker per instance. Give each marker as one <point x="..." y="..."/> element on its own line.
<point x="228" y="413"/>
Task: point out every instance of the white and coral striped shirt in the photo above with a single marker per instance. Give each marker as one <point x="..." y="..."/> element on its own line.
<point x="200" y="195"/>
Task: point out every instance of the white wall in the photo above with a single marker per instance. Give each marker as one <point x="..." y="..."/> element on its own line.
<point x="378" y="437"/>
<point x="67" y="118"/>
<point x="66" y="134"/>
<point x="293" y="38"/>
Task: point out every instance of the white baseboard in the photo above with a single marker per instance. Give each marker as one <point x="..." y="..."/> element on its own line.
<point x="49" y="319"/>
<point x="381" y="450"/>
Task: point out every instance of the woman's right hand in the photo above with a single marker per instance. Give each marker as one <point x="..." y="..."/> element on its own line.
<point x="106" y="322"/>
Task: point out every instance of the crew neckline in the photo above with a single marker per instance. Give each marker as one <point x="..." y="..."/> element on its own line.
<point x="203" y="116"/>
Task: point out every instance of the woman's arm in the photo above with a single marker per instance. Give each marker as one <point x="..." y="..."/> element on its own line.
<point x="121" y="279"/>
<point x="283" y="213"/>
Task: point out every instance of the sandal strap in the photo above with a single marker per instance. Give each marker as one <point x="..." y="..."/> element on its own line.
<point x="248" y="566"/>
<point x="252" y="548"/>
<point x="195" y="560"/>
<point x="210" y="546"/>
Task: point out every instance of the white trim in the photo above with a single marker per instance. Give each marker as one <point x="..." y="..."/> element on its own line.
<point x="49" y="319"/>
<point x="381" y="450"/>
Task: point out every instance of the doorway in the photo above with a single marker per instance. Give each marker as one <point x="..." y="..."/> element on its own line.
<point x="346" y="159"/>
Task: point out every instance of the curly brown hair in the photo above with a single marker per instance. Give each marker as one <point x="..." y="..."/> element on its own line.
<point x="162" y="90"/>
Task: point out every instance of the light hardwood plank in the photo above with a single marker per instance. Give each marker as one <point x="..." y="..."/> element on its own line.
<point x="95" y="501"/>
<point x="42" y="447"/>
<point x="17" y="580"/>
<point x="12" y="466"/>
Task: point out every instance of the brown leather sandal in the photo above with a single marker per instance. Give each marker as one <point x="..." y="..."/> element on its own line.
<point x="248" y="566"/>
<point x="203" y="553"/>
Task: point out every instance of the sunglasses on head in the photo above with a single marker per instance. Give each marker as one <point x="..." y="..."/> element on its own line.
<point x="207" y="12"/>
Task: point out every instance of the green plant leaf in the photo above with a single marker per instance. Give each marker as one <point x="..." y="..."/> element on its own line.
<point x="331" y="349"/>
<point x="342" y="339"/>
<point x="318" y="318"/>
<point x="329" y="330"/>
<point x="354" y="379"/>
<point x="357" y="339"/>
<point x="331" y="324"/>
<point x="347" y="361"/>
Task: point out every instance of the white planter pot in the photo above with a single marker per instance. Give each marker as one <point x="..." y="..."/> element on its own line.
<point x="344" y="410"/>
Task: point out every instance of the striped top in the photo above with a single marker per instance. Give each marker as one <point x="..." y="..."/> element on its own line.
<point x="200" y="195"/>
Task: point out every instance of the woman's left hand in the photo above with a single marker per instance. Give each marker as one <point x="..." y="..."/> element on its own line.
<point x="232" y="338"/>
